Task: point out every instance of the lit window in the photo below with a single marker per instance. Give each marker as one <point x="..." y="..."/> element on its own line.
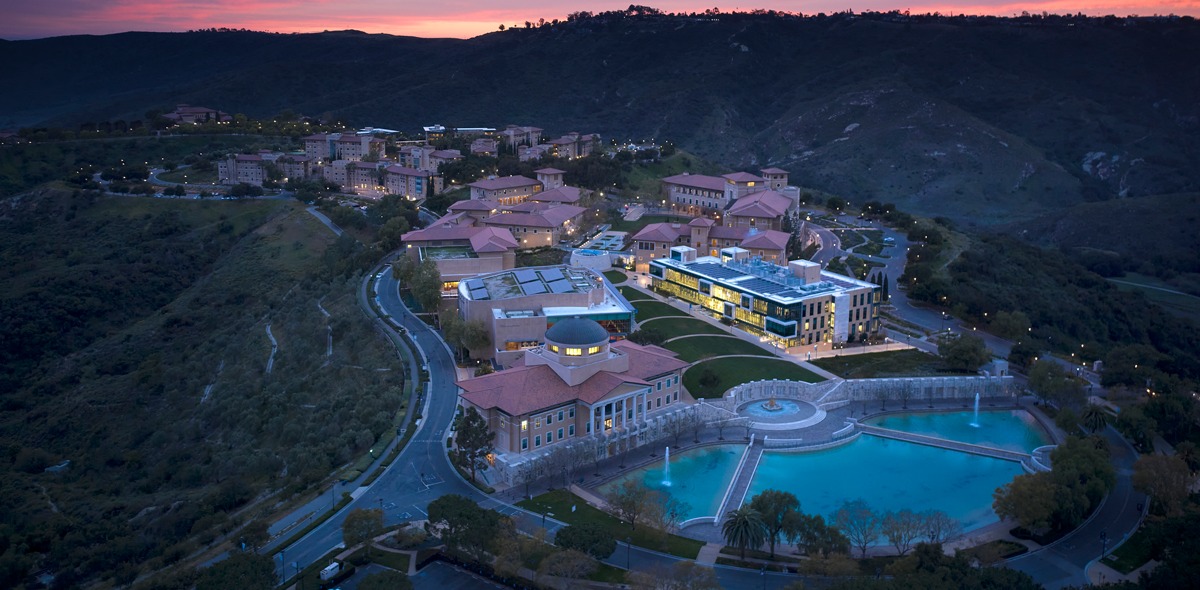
<point x="553" y="348"/>
<point x="574" y="352"/>
<point x="524" y="425"/>
<point x="593" y="350"/>
<point x="537" y="423"/>
<point x="608" y="423"/>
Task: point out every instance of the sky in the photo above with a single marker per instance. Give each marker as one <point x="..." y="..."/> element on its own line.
<point x="26" y="19"/>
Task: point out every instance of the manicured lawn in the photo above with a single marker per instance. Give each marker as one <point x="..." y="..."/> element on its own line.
<point x="655" y="309"/>
<point x="896" y="363"/>
<point x="671" y="327"/>
<point x="190" y="176"/>
<point x="734" y="371"/>
<point x="633" y="294"/>
<point x="615" y="276"/>
<point x="1132" y="554"/>
<point x="560" y="503"/>
<point x="694" y="349"/>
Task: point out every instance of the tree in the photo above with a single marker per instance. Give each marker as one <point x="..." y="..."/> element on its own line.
<point x="937" y="526"/>
<point x="361" y="525"/>
<point x="1095" y="418"/>
<point x="1165" y="479"/>
<point x="1051" y="383"/>
<point x="474" y="441"/>
<point x="677" y="425"/>
<point x="463" y="525"/>
<point x="858" y="522"/>
<point x="630" y="501"/>
<point x="776" y="507"/>
<point x="1010" y="324"/>
<point x="1028" y="499"/>
<point x="427" y="285"/>
<point x="744" y="529"/>
<point x="1137" y="426"/>
<point x="588" y="538"/>
<point x="255" y="534"/>
<point x="391" y="232"/>
<point x="964" y="352"/>
<point x="386" y="580"/>
<point x="250" y="571"/>
<point x="568" y="564"/>
<point x="812" y="536"/>
<point x="901" y="528"/>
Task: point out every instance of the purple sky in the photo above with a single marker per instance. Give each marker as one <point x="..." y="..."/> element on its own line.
<point x="23" y="19"/>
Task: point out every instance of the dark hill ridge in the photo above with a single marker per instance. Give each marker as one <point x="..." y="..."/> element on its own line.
<point x="982" y="122"/>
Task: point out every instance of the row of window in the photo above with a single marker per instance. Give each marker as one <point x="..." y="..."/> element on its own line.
<point x="549" y="418"/>
<point x="537" y="439"/>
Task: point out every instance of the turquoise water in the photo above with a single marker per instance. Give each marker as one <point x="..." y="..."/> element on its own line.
<point x="889" y="475"/>
<point x="698" y="477"/>
<point x="1014" y="430"/>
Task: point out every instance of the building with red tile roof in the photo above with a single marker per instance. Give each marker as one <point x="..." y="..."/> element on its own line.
<point x="578" y="388"/>
<point x="461" y="249"/>
<point x="507" y="190"/>
<point x="700" y="194"/>
<point x="189" y="114"/>
<point x="760" y="210"/>
<point x="704" y="235"/>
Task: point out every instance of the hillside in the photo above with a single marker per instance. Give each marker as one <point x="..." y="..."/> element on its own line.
<point x="984" y="121"/>
<point x="135" y="357"/>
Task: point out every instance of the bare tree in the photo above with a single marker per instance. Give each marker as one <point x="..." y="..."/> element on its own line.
<point x="938" y="526"/>
<point x="902" y="528"/>
<point x="677" y="425"/>
<point x="529" y="472"/>
<point x="695" y="422"/>
<point x="905" y="392"/>
<point x="723" y="422"/>
<point x="578" y="455"/>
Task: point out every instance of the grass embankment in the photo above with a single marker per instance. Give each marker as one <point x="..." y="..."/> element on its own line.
<point x="896" y="363"/>
<point x="1133" y="553"/>
<point x="738" y="370"/>
<point x="615" y="277"/>
<point x="656" y="309"/>
<point x="559" y="503"/>
<point x="1172" y="299"/>
<point x="646" y="178"/>
<point x="190" y="176"/>
<point x="671" y="327"/>
<point x="702" y="347"/>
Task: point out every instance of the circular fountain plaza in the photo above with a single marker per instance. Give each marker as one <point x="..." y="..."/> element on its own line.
<point x="944" y="456"/>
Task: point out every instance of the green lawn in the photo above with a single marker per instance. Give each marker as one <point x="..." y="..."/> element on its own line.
<point x="615" y="276"/>
<point x="694" y="349"/>
<point x="850" y="238"/>
<point x="670" y="327"/>
<point x="734" y="371"/>
<point x="190" y="176"/>
<point x="655" y="309"/>
<point x="633" y="294"/>
<point x="896" y="363"/>
<point x="1132" y="554"/>
<point x="560" y="502"/>
<point x="1178" y="304"/>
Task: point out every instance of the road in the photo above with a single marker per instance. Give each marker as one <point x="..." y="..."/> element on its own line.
<point x="422" y="471"/>
<point x="1064" y="563"/>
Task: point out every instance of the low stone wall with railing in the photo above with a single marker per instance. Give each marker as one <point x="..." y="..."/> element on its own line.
<point x="829" y="395"/>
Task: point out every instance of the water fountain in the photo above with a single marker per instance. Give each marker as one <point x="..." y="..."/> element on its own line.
<point x="667" y="468"/>
<point x="975" y="420"/>
<point x="771" y="405"/>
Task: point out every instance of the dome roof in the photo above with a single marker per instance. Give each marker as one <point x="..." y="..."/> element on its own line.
<point x="577" y="331"/>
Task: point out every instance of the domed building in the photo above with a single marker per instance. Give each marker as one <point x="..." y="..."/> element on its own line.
<point x="576" y="385"/>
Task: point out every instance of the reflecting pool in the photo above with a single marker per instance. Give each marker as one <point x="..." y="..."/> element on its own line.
<point x="1014" y="430"/>
<point x="699" y="477"/>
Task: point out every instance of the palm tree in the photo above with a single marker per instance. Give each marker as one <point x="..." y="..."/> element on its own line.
<point x="1095" y="419"/>
<point x="744" y="528"/>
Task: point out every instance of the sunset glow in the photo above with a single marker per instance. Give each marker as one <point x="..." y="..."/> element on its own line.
<point x="25" y="19"/>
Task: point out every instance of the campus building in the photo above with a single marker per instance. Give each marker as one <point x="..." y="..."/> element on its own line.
<point x="794" y="305"/>
<point x="656" y="240"/>
<point x="517" y="306"/>
<point x="577" y="385"/>
<point x="342" y="146"/>
<point x="507" y="190"/>
<point x="461" y="250"/>
<point x="703" y="195"/>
